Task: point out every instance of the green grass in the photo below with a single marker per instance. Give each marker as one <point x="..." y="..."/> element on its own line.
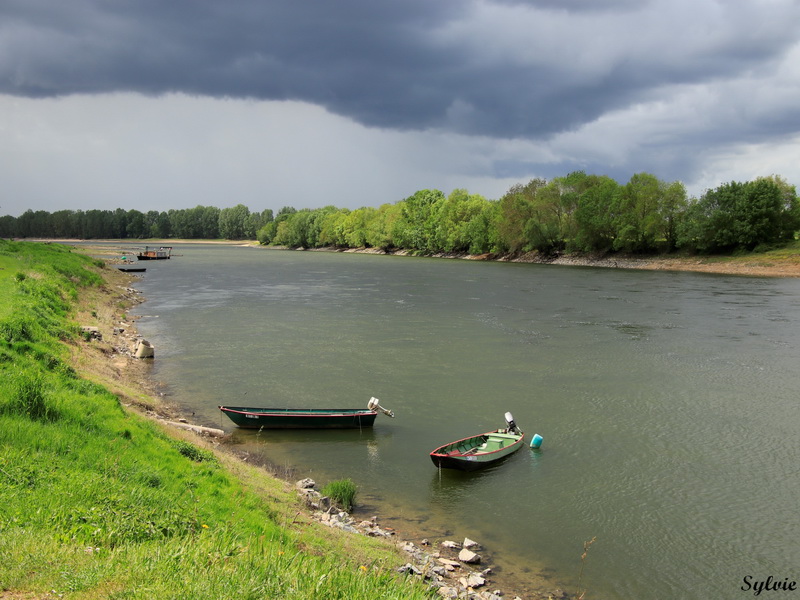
<point x="342" y="492"/>
<point x="98" y="502"/>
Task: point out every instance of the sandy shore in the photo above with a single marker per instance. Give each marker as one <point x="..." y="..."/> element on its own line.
<point x="752" y="266"/>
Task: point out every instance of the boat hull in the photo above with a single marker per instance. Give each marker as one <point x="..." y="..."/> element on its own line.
<point x="155" y="254"/>
<point x="148" y="257"/>
<point x="299" y="418"/>
<point x="478" y="451"/>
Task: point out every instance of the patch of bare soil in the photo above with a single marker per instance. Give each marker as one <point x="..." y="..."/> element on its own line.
<point x="748" y="266"/>
<point x="105" y="354"/>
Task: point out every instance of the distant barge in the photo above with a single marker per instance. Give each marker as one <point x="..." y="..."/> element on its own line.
<point x="148" y="253"/>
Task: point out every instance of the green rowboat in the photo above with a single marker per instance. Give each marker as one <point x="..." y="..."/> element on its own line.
<point x="478" y="451"/>
<point x="305" y="418"/>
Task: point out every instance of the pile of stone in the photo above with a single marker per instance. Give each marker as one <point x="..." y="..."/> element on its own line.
<point x="452" y="569"/>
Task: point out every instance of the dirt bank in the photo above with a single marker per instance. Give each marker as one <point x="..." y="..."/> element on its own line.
<point x="765" y="265"/>
<point x="753" y="267"/>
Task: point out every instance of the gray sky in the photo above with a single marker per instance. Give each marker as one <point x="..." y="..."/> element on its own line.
<point x="159" y="104"/>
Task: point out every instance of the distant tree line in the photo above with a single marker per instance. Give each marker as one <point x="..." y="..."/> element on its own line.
<point x="575" y="213"/>
<point x="201" y="222"/>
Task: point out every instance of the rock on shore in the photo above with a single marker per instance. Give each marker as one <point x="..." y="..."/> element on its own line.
<point x="450" y="571"/>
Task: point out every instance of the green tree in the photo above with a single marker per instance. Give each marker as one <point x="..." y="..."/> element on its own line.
<point x="233" y="222"/>
<point x="8" y="226"/>
<point x="332" y="229"/>
<point x="96" y="224"/>
<point x="255" y="221"/>
<point x="789" y="212"/>
<point x="117" y="224"/>
<point x="517" y="211"/>
<point x="267" y="233"/>
<point x="294" y="230"/>
<point x="596" y="215"/>
<point x="674" y="205"/>
<point x="64" y="225"/>
<point x="740" y="216"/>
<point x="157" y="224"/>
<point x="355" y="227"/>
<point x="415" y="229"/>
<point x="136" y="226"/>
<point x="552" y="223"/>
<point x="639" y="221"/>
<point x="452" y="221"/>
<point x="381" y="225"/>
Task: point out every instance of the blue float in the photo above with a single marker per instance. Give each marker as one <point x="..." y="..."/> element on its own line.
<point x="537" y="440"/>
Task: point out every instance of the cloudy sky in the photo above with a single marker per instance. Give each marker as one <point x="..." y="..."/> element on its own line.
<point x="159" y="104"/>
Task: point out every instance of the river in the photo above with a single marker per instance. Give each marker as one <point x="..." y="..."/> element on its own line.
<point x="668" y="403"/>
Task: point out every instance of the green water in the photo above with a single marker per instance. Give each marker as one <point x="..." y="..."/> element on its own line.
<point x="668" y="403"/>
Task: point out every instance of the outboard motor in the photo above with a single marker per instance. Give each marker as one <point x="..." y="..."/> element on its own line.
<point x="512" y="426"/>
<point x="374" y="405"/>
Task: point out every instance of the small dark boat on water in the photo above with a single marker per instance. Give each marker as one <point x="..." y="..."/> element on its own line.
<point x="478" y="451"/>
<point x="305" y="418"/>
<point x="132" y="269"/>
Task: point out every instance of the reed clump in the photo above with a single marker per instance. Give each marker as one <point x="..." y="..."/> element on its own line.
<point x="342" y="492"/>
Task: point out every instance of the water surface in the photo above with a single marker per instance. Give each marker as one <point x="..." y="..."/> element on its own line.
<point x="667" y="402"/>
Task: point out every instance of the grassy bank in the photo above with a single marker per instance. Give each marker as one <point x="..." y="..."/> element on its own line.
<point x="97" y="501"/>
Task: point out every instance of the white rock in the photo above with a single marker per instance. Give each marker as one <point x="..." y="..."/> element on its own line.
<point x="469" y="557"/>
<point x="449" y="563"/>
<point x="471" y="544"/>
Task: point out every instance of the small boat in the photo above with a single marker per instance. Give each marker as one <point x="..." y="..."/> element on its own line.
<point x="132" y="269"/>
<point x="478" y="451"/>
<point x="305" y="418"/>
<point x="148" y="253"/>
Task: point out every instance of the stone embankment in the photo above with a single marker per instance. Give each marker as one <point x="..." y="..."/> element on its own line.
<point x="453" y="569"/>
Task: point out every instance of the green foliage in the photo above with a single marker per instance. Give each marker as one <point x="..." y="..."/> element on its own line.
<point x="234" y="223"/>
<point x="577" y="212"/>
<point x="638" y="219"/>
<point x="29" y="398"/>
<point x="594" y="216"/>
<point x="341" y="491"/>
<point x="461" y="223"/>
<point x="19" y="328"/>
<point x="740" y="216"/>
<point x="517" y="211"/>
<point x="194" y="453"/>
<point x="415" y="229"/>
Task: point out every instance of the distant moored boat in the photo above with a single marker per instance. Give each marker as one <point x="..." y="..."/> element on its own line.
<point x="148" y="253"/>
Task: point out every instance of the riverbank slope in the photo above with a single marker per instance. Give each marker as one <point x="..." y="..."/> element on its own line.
<point x="100" y="498"/>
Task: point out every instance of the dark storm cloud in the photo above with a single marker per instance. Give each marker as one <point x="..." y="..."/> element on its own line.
<point x="502" y="68"/>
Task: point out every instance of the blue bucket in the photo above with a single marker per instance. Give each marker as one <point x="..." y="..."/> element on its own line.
<point x="537" y="440"/>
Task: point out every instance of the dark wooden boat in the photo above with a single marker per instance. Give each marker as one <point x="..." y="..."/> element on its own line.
<point x="478" y="451"/>
<point x="148" y="253"/>
<point x="132" y="269"/>
<point x="305" y="418"/>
